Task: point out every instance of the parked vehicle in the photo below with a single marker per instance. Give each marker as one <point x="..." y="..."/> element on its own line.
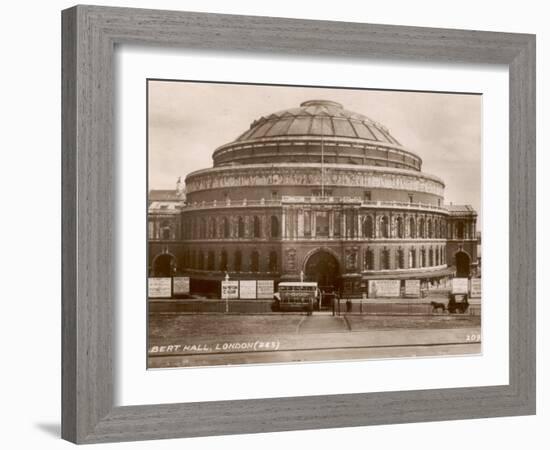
<point x="297" y="296"/>
<point x="458" y="303"/>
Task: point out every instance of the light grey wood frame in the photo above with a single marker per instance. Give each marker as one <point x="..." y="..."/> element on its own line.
<point x="89" y="37"/>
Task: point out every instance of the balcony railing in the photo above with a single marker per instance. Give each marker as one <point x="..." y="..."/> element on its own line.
<point x="316" y="200"/>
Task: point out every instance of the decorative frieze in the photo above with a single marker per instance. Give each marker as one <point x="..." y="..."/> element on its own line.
<point x="311" y="176"/>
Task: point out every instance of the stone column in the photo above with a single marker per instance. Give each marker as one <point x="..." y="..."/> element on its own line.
<point x="331" y="223"/>
<point x="290" y="224"/>
<point x="343" y="229"/>
<point x="313" y="224"/>
<point x="300" y="223"/>
<point x="283" y="223"/>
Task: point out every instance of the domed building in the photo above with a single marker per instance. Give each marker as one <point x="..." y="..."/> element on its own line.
<point x="318" y="192"/>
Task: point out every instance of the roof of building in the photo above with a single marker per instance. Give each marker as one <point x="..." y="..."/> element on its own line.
<point x="460" y="209"/>
<point x="165" y="195"/>
<point x="318" y="118"/>
<point x="171" y="207"/>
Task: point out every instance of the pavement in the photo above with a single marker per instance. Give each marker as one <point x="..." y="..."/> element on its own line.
<point x="315" y="338"/>
<point x="323" y="324"/>
<point x="313" y="355"/>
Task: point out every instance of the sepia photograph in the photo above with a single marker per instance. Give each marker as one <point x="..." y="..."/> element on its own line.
<point x="290" y="224"/>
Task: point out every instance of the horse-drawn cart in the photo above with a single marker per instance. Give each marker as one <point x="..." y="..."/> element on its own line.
<point x="458" y="303"/>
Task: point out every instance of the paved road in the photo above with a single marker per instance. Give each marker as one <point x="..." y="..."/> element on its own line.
<point x="314" y="355"/>
<point x="208" y="340"/>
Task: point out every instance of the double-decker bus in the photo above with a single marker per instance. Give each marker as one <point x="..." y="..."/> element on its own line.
<point x="297" y="296"/>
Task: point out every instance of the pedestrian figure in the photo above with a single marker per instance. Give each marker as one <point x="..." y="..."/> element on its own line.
<point x="374" y="289"/>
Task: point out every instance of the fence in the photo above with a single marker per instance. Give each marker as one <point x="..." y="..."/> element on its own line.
<point x="391" y="308"/>
<point x="212" y="306"/>
<point x="265" y="307"/>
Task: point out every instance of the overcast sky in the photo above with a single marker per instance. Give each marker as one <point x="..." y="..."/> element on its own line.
<point x="188" y="121"/>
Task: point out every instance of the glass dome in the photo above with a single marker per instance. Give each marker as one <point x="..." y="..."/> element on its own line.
<point x="318" y="118"/>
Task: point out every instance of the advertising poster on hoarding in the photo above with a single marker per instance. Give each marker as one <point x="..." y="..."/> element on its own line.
<point x="159" y="287"/>
<point x="412" y="288"/>
<point x="459" y="286"/>
<point x="247" y="289"/>
<point x="230" y="289"/>
<point x="384" y="288"/>
<point x="265" y="289"/>
<point x="475" y="288"/>
<point x="181" y="285"/>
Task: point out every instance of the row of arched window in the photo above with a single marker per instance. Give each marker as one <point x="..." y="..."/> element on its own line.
<point x="258" y="227"/>
<point x="408" y="227"/>
<point x="404" y="259"/>
<point x="240" y="227"/>
<point x="237" y="261"/>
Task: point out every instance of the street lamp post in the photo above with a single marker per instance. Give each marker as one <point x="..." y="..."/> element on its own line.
<point x="226" y="294"/>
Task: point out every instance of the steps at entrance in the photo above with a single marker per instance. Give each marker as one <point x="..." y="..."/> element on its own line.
<point x="323" y="324"/>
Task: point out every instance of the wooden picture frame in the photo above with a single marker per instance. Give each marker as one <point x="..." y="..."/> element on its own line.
<point x="90" y="34"/>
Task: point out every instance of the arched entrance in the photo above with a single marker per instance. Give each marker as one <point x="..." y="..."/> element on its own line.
<point x="323" y="267"/>
<point x="163" y="265"/>
<point x="462" y="260"/>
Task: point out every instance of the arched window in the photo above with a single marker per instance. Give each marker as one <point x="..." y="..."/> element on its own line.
<point x="385" y="259"/>
<point x="431" y="257"/>
<point x="211" y="261"/>
<point x="195" y="227"/>
<point x="436" y="228"/>
<point x="274" y="227"/>
<point x="421" y="228"/>
<point x="384" y="228"/>
<point x="254" y="261"/>
<point x="369" y="260"/>
<point x="257" y="227"/>
<point x="240" y="227"/>
<point x="412" y="258"/>
<point x="166" y="231"/>
<point x="201" y="261"/>
<point x="225" y="227"/>
<point x="423" y="258"/>
<point x="223" y="261"/>
<point x="237" y="261"/>
<point x="212" y="228"/>
<point x="368" y="229"/>
<point x="399" y="226"/>
<point x="430" y="230"/>
<point x="400" y="259"/>
<point x="203" y="229"/>
<point x="273" y="261"/>
<point x="460" y="230"/>
<point x="412" y="228"/>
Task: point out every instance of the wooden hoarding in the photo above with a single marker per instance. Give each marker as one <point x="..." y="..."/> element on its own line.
<point x="181" y="285"/>
<point x="475" y="288"/>
<point x="247" y="289"/>
<point x="384" y="288"/>
<point x="230" y="289"/>
<point x="412" y="288"/>
<point x="459" y="286"/>
<point x="159" y="287"/>
<point x="265" y="289"/>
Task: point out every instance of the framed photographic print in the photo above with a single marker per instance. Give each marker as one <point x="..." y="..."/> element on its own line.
<point x="292" y="223"/>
